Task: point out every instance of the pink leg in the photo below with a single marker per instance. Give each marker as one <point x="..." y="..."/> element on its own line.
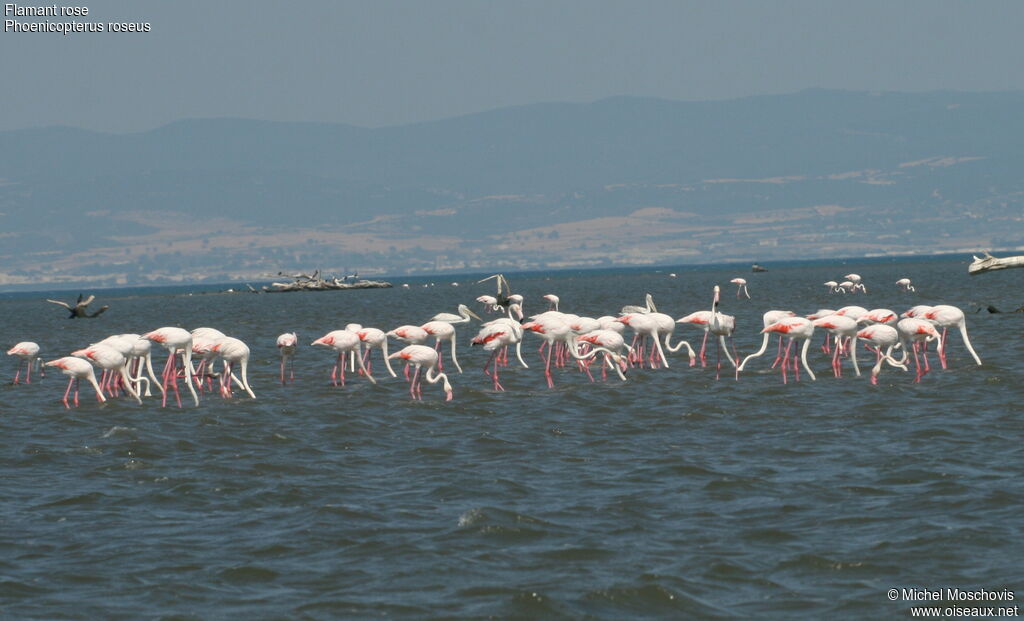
<point x="547" y="370"/>
<point x="68" y="392"/>
<point x="785" y="360"/>
<point x="412" y="384"/>
<point x="779" y="354"/>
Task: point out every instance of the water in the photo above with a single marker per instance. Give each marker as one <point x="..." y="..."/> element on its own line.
<point x="670" y="496"/>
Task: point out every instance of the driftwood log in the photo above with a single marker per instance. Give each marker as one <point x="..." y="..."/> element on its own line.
<point x="988" y="263"/>
<point x="305" y="282"/>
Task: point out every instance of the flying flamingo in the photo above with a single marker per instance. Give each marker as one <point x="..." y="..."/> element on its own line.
<point x="343" y="342"/>
<point x="904" y="284"/>
<point x="918" y="332"/>
<point x="768" y="319"/>
<point x="795" y="328"/>
<point x="76" y="369"/>
<point x="113" y="362"/>
<point x="844" y="329"/>
<point x="286" y="344"/>
<point x="27" y="352"/>
<point x="175" y="340"/>
<point x="881" y="336"/>
<point x="421" y="356"/>
<point x="741" y="287"/>
<point x="233" y="351"/>
<point x="945" y="317"/>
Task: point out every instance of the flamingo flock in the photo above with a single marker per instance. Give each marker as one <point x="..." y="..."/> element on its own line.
<point x="566" y="341"/>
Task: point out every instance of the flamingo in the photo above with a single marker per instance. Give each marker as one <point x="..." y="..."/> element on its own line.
<point x="918" y="332"/>
<point x="611" y="341"/>
<point x="494" y="336"/>
<point x="741" y="287"/>
<point x="855" y="279"/>
<point x="945" y="317"/>
<point x="233" y="351"/>
<point x="904" y="284"/>
<point x="607" y="322"/>
<point x="553" y="299"/>
<point x="556" y="331"/>
<point x="917" y="311"/>
<point x="722" y="326"/>
<point x="645" y="326"/>
<point x="76" y="369"/>
<point x="374" y="338"/>
<point x="881" y="336"/>
<point x="844" y="329"/>
<point x="27" y="352"/>
<point x="826" y="348"/>
<point x="853" y="312"/>
<point x="768" y="319"/>
<point x="421" y="356"/>
<point x="833" y="287"/>
<point x="286" y="344"/>
<point x="553" y="330"/>
<point x="795" y="328"/>
<point x="343" y="342"/>
<point x="442" y="331"/>
<point x="878" y="315"/>
<point x="515" y="335"/>
<point x="703" y="319"/>
<point x="666" y="326"/>
<point x="175" y="340"/>
<point x="489" y="301"/>
<point x="112" y="362"/>
<point x="141" y="359"/>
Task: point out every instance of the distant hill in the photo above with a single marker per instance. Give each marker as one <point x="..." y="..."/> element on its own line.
<point x="619" y="181"/>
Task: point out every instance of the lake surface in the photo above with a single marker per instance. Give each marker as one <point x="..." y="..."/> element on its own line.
<point x="671" y="495"/>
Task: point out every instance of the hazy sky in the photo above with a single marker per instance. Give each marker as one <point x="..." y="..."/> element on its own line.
<point x="380" y="62"/>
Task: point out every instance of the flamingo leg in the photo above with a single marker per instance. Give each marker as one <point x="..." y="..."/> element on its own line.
<point x="68" y="392"/>
<point x="547" y="370"/>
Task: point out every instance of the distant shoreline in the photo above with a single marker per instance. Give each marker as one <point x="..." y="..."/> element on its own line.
<point x="199" y="287"/>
